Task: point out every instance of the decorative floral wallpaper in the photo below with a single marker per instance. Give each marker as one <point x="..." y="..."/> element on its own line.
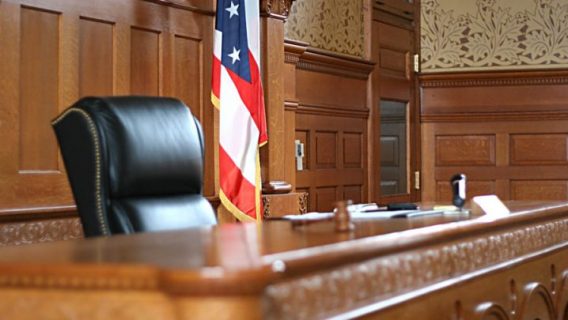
<point x="334" y="25"/>
<point x="493" y="34"/>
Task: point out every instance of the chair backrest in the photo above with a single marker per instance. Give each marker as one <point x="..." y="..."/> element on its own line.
<point x="134" y="164"/>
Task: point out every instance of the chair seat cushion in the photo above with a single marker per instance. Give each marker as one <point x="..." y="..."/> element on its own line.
<point x="160" y="213"/>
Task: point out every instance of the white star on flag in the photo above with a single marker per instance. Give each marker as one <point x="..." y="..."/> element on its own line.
<point x="235" y="55"/>
<point x="233" y="11"/>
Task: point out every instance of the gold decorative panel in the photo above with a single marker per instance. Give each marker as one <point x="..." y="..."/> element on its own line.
<point x="493" y="34"/>
<point x="334" y="25"/>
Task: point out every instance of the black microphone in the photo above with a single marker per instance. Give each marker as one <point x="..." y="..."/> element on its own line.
<point x="458" y="190"/>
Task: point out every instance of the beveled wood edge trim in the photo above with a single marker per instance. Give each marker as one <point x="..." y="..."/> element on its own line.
<point x="332" y="111"/>
<point x="495" y="116"/>
<point x="319" y="60"/>
<point x="183" y="6"/>
<point x="8" y="215"/>
<point x="495" y="78"/>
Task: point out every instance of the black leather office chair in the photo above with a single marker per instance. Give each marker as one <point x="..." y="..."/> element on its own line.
<point x="134" y="163"/>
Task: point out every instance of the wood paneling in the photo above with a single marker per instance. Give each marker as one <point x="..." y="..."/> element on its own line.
<point x="54" y="52"/>
<point x="96" y="58"/>
<point x="465" y="150"/>
<point x="328" y="96"/>
<point x="187" y="69"/>
<point x="539" y="189"/>
<point x="39" y="75"/>
<point x="326" y="150"/>
<point x="506" y="131"/>
<point x="535" y="149"/>
<point x="145" y="62"/>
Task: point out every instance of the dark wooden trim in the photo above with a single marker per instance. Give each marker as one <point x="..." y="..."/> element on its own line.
<point x="496" y="116"/>
<point x="495" y="78"/>
<point x="332" y="111"/>
<point x="324" y="61"/>
<point x="37" y="213"/>
<point x="183" y="5"/>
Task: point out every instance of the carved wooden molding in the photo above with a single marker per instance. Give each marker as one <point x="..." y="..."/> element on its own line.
<point x="378" y="279"/>
<point x="276" y="7"/>
<point x="494" y="79"/>
<point x="40" y="231"/>
<point x="323" y="61"/>
<point x="184" y="5"/>
<point x="332" y="111"/>
<point x="496" y="116"/>
<point x="293" y="50"/>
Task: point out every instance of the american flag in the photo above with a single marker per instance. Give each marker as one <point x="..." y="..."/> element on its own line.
<point x="237" y="93"/>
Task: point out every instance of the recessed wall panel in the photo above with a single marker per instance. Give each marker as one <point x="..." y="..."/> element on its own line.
<point x="95" y="58"/>
<point x="352" y="151"/>
<point x="465" y="150"/>
<point x="474" y="188"/>
<point x="187" y="69"/>
<point x="352" y="193"/>
<point x="145" y="62"/>
<point x="539" y="190"/>
<point x="534" y="149"/>
<point x="325" y="199"/>
<point x="326" y="149"/>
<point x="39" y="74"/>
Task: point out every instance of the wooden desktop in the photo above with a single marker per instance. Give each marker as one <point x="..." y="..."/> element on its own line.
<point x="432" y="267"/>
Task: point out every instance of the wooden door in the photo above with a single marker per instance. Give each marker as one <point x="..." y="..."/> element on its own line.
<point x="395" y="125"/>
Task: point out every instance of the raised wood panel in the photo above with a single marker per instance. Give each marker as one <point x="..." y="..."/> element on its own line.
<point x="188" y="71"/>
<point x="39" y="77"/>
<point x="325" y="198"/>
<point x="330" y="90"/>
<point x="353" y="193"/>
<point x="539" y="149"/>
<point x="334" y="147"/>
<point x="395" y="61"/>
<point x="96" y="57"/>
<point x="539" y="189"/>
<point x="145" y="62"/>
<point x="465" y="150"/>
<point x="352" y="150"/>
<point x="474" y="188"/>
<point x="517" y="123"/>
<point x="54" y="52"/>
<point x="326" y="150"/>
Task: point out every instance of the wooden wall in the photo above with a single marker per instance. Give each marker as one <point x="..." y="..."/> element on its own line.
<point x="329" y="95"/>
<point x="54" y="52"/>
<point x="507" y="131"/>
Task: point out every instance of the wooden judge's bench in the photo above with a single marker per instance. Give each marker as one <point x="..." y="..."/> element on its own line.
<point x="433" y="267"/>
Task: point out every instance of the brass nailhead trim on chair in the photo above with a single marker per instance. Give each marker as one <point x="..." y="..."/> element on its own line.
<point x="104" y="227"/>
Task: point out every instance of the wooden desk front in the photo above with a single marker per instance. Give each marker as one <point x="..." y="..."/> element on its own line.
<point x="437" y="267"/>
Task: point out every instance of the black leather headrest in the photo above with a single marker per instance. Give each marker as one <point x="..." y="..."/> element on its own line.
<point x="149" y="150"/>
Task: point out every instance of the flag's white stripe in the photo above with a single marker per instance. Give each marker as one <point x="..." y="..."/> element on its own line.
<point x="253" y="37"/>
<point x="218" y="44"/>
<point x="238" y="133"/>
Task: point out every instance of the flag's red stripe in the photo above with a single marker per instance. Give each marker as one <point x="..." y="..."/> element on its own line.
<point x="216" y="77"/>
<point x="239" y="190"/>
<point x="252" y="96"/>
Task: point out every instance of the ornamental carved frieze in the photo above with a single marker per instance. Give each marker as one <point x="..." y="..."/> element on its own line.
<point x="363" y="283"/>
<point x="40" y="231"/>
<point x="277" y="7"/>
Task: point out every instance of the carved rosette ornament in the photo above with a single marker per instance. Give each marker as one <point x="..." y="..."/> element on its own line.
<point x="276" y="7"/>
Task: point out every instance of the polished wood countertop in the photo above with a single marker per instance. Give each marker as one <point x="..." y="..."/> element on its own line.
<point x="245" y="258"/>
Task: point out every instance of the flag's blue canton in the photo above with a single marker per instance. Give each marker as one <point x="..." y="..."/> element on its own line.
<point x="231" y="22"/>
